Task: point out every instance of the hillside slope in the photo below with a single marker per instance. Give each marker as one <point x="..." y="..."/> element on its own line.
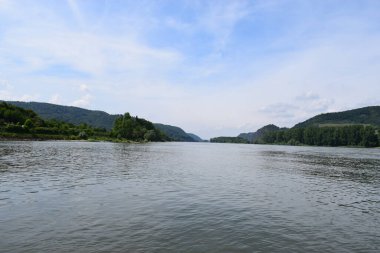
<point x="367" y="115"/>
<point x="19" y="123"/>
<point x="70" y="114"/>
<point x="254" y="136"/>
<point x="175" y="133"/>
<point x="99" y="119"/>
<point x="195" y="137"/>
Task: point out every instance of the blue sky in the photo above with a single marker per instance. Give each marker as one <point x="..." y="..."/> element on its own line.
<point x="211" y="67"/>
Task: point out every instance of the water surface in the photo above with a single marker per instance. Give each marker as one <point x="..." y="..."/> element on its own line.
<point x="187" y="197"/>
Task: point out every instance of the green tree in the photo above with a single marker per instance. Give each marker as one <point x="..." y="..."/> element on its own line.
<point x="28" y="124"/>
<point x="151" y="135"/>
<point x="134" y="128"/>
<point x="369" y="137"/>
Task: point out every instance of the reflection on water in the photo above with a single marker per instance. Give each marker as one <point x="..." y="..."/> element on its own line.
<point x="187" y="197"/>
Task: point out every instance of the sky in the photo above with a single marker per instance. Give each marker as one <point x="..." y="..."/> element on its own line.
<point x="214" y="68"/>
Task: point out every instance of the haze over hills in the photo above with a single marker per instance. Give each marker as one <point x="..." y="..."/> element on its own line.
<point x="94" y="118"/>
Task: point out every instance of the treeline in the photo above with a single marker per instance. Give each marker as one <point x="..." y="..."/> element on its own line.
<point x="134" y="128"/>
<point x="224" y="139"/>
<point x="16" y="122"/>
<point x="354" y="135"/>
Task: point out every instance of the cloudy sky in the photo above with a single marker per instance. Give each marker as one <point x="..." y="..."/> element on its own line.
<point x="211" y="67"/>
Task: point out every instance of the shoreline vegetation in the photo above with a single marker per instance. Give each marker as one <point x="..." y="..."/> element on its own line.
<point x="17" y="123"/>
<point x="355" y="128"/>
<point x="327" y="136"/>
<point x="95" y="118"/>
<point x="352" y="128"/>
<point x="32" y="137"/>
<point x="365" y="136"/>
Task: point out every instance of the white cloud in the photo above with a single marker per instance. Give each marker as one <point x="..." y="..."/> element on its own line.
<point x="55" y="99"/>
<point x="4" y="84"/>
<point x="84" y="88"/>
<point x="222" y="18"/>
<point x="281" y="110"/>
<point x="76" y="11"/>
<point x="86" y="52"/>
<point x="84" y="101"/>
<point x="307" y="96"/>
<point x="8" y="95"/>
<point x="4" y="4"/>
<point x="39" y="43"/>
<point x="217" y="18"/>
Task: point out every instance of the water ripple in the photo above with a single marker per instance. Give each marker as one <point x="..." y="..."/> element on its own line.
<point x="184" y="197"/>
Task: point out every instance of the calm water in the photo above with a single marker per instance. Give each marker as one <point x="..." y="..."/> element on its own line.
<point x="184" y="197"/>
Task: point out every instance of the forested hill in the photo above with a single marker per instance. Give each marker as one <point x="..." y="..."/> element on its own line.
<point x="368" y="115"/>
<point x="70" y="114"/>
<point x="19" y="123"/>
<point x="176" y="133"/>
<point x="195" y="137"/>
<point x="359" y="127"/>
<point x="99" y="119"/>
<point x="253" y="136"/>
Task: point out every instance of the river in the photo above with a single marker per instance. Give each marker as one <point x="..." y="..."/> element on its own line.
<point x="187" y="197"/>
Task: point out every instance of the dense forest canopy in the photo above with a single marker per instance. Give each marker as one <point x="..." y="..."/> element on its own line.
<point x="134" y="128"/>
<point x="367" y="115"/>
<point x="355" y="135"/>
<point x="27" y="123"/>
<point x="253" y="136"/>
<point x="358" y="127"/>
<point x="69" y="114"/>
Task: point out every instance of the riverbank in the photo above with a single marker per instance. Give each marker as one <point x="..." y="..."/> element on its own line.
<point x="44" y="137"/>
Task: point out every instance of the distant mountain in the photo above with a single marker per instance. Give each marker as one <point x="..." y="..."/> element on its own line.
<point x="70" y="114"/>
<point x="248" y="136"/>
<point x="252" y="137"/>
<point x="367" y="116"/>
<point x="195" y="137"/>
<point x="176" y="133"/>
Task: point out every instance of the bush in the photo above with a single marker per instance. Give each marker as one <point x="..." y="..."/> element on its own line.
<point x="83" y="135"/>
